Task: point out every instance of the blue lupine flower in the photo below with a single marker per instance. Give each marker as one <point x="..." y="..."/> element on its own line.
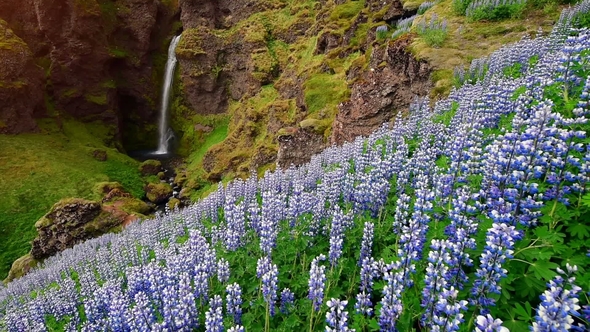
<point x="559" y="303"/>
<point x="499" y="244"/>
<point x="234" y="302"/>
<point x="287" y="299"/>
<point x="317" y="279"/>
<point x="269" y="287"/>
<point x="337" y="317"/>
<point x="214" y="316"/>
<point x="487" y="323"/>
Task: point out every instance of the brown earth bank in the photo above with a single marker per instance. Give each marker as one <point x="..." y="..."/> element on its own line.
<point x="92" y="60"/>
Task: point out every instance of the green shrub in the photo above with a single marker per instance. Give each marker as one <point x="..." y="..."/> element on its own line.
<point x="491" y="10"/>
<point x="434" y="33"/>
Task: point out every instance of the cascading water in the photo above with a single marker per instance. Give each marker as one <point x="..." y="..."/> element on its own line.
<point x="165" y="132"/>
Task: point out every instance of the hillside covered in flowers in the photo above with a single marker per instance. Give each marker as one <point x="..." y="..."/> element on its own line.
<point x="468" y="214"/>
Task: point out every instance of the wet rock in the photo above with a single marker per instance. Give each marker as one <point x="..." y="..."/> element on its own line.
<point x="158" y="193"/>
<point x="150" y="167"/>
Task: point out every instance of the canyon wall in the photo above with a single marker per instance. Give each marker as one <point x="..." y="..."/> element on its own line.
<point x="92" y="60"/>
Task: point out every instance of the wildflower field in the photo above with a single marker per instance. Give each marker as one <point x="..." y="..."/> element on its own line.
<point x="469" y="215"/>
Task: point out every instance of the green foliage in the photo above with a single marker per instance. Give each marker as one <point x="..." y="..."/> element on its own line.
<point x="347" y="10"/>
<point x="434" y="37"/>
<point x="460" y="6"/>
<point x="497" y="13"/>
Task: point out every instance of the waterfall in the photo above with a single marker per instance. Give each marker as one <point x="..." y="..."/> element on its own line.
<point x="165" y="132"/>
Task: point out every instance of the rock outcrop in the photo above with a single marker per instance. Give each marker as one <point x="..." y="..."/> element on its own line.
<point x="297" y="147"/>
<point x="69" y="222"/>
<point x="391" y="83"/>
<point x="21" y="84"/>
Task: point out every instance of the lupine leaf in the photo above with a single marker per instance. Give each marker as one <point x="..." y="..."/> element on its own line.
<point x="580" y="230"/>
<point x="543" y="269"/>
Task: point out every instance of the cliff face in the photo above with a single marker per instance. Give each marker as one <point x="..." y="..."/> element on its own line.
<point x="95" y="55"/>
<point x="291" y="76"/>
<point x="21" y="84"/>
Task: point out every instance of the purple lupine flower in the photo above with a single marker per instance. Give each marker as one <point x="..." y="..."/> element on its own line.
<point x="487" y="323"/>
<point x="559" y="303"/>
<point x="142" y="314"/>
<point x="368" y="273"/>
<point x="392" y="305"/>
<point x="336" y="236"/>
<point x="436" y="278"/>
<point x="337" y="317"/>
<point x="214" y="316"/>
<point x="317" y="279"/>
<point x="222" y="270"/>
<point x="269" y="287"/>
<point x="367" y="242"/>
<point x="287" y="299"/>
<point x="234" y="302"/>
<point x="499" y="243"/>
<point x="448" y="314"/>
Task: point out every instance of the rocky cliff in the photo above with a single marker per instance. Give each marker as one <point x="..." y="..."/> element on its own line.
<point x="91" y="59"/>
<point x="290" y="75"/>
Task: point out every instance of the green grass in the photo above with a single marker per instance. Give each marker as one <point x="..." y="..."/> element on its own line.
<point x="325" y="91"/>
<point x="42" y="168"/>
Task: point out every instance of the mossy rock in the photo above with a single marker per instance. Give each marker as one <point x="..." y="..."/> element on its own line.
<point x="103" y="188"/>
<point x="161" y="175"/>
<point x="158" y="193"/>
<point x="315" y="125"/>
<point x="133" y="205"/>
<point x="103" y="223"/>
<point x="150" y="167"/>
<point x="287" y="132"/>
<point x="21" y="266"/>
<point x="173" y="203"/>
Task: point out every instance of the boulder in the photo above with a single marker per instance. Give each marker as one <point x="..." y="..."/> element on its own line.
<point x="158" y="193"/>
<point x="21" y="266"/>
<point x="150" y="167"/>
<point x="70" y="221"/>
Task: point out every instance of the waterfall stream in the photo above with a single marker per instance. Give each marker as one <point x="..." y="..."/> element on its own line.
<point x="164" y="131"/>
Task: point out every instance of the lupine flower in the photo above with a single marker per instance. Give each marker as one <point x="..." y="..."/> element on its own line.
<point x="367" y="242"/>
<point x="287" y="299"/>
<point x="392" y="305"/>
<point x="223" y="270"/>
<point x="337" y="317"/>
<point x="214" y="316"/>
<point x="487" y="323"/>
<point x="499" y="243"/>
<point x="317" y="279"/>
<point x="336" y="236"/>
<point x="559" y="303"/>
<point x="269" y="287"/>
<point x="234" y="302"/>
<point x="236" y="328"/>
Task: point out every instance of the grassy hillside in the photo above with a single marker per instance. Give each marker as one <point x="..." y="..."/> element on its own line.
<point x="39" y="169"/>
